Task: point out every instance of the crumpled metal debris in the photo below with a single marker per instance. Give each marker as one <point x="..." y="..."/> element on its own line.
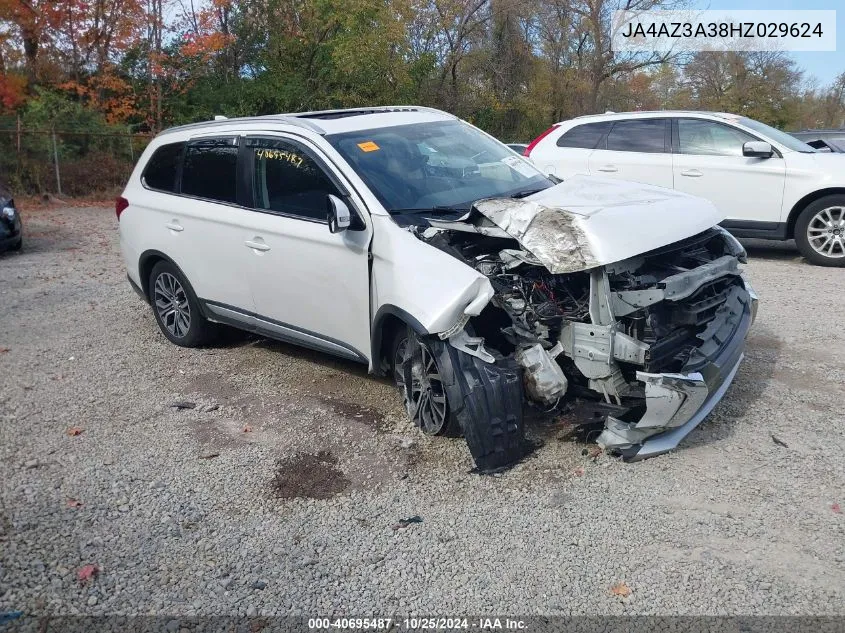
<point x="550" y="234"/>
<point x="544" y="378"/>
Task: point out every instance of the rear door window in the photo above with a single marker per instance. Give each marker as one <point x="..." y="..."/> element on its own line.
<point x="585" y="136"/>
<point x="210" y="170"/>
<point x="162" y="169"/>
<point x="638" y="135"/>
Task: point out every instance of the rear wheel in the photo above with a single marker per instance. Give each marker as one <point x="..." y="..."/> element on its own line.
<point x="820" y="231"/>
<point x="176" y="308"/>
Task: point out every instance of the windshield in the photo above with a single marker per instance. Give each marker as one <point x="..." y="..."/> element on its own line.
<point x="424" y="166"/>
<point x="787" y="140"/>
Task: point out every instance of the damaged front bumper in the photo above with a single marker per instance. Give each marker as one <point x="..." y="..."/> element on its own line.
<point x="676" y="403"/>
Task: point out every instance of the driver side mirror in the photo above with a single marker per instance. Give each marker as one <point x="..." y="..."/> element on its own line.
<point x="757" y="149"/>
<point x="339" y="216"/>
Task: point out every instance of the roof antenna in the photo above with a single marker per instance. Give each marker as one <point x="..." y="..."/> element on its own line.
<point x="220" y="117"/>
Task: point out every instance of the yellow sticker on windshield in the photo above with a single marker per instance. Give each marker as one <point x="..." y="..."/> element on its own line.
<point x="369" y="146"/>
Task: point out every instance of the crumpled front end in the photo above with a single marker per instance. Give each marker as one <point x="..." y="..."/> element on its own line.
<point x="674" y="325"/>
<point x="645" y="347"/>
<point x="675" y="403"/>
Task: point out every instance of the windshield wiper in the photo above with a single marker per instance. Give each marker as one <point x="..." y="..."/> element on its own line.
<point x="435" y="209"/>
<point x="527" y="192"/>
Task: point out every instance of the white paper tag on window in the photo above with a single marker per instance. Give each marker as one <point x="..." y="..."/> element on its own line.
<point x="519" y="166"/>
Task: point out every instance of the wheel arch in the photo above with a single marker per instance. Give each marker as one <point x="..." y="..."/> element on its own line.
<point x="147" y="262"/>
<point x="802" y="204"/>
<point x="385" y="323"/>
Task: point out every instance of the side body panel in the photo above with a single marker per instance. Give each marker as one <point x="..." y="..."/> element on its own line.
<point x="809" y="173"/>
<point x="421" y="280"/>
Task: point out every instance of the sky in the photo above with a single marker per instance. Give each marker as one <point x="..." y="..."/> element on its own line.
<point x="824" y="66"/>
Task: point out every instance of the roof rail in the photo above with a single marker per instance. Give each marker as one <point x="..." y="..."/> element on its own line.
<point x="341" y="112"/>
<point x="270" y="118"/>
<point x="302" y="119"/>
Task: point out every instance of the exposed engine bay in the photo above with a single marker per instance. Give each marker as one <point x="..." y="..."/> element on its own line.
<point x="652" y="341"/>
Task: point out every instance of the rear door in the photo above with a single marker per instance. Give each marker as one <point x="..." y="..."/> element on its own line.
<point x="310" y="286"/>
<point x="198" y="227"/>
<point x="638" y="150"/>
<point x="708" y="162"/>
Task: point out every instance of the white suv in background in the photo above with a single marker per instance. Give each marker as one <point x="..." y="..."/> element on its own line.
<point x="410" y="241"/>
<point x="767" y="183"/>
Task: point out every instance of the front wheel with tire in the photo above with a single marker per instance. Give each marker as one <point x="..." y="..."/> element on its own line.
<point x="450" y="392"/>
<point x="176" y="308"/>
<point x="820" y="231"/>
<point x="418" y="375"/>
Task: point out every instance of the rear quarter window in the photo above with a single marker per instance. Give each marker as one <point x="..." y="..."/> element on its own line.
<point x="162" y="168"/>
<point x="584" y="136"/>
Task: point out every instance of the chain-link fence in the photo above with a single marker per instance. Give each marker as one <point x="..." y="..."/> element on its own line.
<point x="67" y="162"/>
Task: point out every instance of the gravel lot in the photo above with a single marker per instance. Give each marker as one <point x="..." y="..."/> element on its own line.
<point x="286" y="497"/>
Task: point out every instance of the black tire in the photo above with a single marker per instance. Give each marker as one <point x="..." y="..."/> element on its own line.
<point x="802" y="239"/>
<point x="396" y="355"/>
<point x="426" y="397"/>
<point x="17" y="245"/>
<point x="484" y="399"/>
<point x="197" y="330"/>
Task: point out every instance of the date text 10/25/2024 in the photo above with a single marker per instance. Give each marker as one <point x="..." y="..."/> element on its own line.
<point x="418" y="623"/>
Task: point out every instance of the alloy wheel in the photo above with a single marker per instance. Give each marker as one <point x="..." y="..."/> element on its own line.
<point x="171" y="302"/>
<point x="426" y="394"/>
<point x="826" y="232"/>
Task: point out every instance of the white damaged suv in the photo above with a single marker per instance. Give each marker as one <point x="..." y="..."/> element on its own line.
<point x="408" y="240"/>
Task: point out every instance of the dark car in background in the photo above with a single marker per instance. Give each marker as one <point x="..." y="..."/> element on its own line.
<point x="11" y="231"/>
<point x="823" y="140"/>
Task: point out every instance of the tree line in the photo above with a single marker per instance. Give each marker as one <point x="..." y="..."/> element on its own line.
<point x="512" y="67"/>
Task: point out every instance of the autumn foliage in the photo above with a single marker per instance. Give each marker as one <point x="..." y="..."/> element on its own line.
<point x="96" y="71"/>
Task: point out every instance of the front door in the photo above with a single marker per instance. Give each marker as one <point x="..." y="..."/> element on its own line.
<point x="309" y="286"/>
<point x="708" y="162"/>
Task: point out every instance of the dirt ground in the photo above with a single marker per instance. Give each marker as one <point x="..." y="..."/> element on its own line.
<point x="294" y="470"/>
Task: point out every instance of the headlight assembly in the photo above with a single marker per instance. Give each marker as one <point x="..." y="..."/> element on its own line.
<point x="8" y="213"/>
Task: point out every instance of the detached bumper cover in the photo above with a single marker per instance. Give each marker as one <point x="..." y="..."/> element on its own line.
<point x="677" y="403"/>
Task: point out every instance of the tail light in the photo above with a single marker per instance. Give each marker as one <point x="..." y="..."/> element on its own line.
<point x="120" y="206"/>
<point x="537" y="140"/>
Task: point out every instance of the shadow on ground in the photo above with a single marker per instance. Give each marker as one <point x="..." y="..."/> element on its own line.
<point x="770" y="249"/>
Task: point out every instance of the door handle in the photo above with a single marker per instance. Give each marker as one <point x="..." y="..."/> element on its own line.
<point x="257" y="246"/>
<point x="608" y="168"/>
<point x="175" y="226"/>
<point x="692" y="173"/>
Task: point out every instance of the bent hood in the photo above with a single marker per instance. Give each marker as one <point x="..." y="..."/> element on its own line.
<point x="586" y="221"/>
